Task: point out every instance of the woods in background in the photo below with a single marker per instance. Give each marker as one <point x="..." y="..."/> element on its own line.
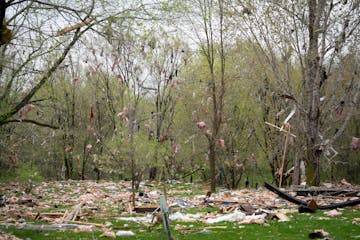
<point x="215" y="91"/>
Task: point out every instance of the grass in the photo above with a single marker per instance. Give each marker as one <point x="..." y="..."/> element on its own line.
<point x="299" y="227"/>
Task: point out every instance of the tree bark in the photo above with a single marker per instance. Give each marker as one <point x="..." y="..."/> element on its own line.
<point x="313" y="151"/>
<point x="212" y="161"/>
<point x="3" y="6"/>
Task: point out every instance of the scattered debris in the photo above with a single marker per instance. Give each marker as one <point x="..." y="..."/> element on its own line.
<point x="333" y="213"/>
<point x="356" y="221"/>
<point x="82" y="228"/>
<point x="75" y="206"/>
<point x="8" y="236"/>
<point x="247" y="208"/>
<point x="282" y="217"/>
<point x="109" y="234"/>
<point x="344" y="182"/>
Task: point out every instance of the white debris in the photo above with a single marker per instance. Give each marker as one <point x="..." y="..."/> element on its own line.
<point x="124" y="233"/>
<point x="154" y="194"/>
<point x="146" y="219"/>
<point x="178" y="216"/>
<point x="231" y="217"/>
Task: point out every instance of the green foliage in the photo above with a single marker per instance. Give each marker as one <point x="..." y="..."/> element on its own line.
<point x="26" y="172"/>
<point x="23" y="172"/>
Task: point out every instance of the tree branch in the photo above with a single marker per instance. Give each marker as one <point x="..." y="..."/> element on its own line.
<point x="29" y="121"/>
<point x="43" y="80"/>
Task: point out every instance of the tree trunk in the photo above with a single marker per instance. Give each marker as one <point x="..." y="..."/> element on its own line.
<point x="313" y="172"/>
<point x="313" y="95"/>
<point x="68" y="166"/>
<point x="296" y="177"/>
<point x="212" y="161"/>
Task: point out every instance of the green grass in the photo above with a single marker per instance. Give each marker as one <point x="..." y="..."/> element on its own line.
<point x="340" y="228"/>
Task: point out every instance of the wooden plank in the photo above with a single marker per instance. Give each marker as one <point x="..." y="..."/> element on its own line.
<point x="145" y="209"/>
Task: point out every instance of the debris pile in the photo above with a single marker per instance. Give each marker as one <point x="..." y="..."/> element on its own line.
<point x="77" y="205"/>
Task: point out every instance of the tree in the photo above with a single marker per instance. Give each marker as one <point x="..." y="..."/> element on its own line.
<point x="320" y="33"/>
<point x="211" y="43"/>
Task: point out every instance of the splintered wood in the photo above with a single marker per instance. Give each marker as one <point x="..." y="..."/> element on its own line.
<point x="74" y="213"/>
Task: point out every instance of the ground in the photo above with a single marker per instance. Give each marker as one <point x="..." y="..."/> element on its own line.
<point x="93" y="210"/>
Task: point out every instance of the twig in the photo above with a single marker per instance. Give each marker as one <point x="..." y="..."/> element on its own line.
<point x="282" y="130"/>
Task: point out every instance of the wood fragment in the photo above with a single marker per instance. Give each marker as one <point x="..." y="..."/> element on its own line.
<point x="145" y="209"/>
<point x="282" y="217"/>
<point x="130" y="209"/>
<point x="64" y="216"/>
<point x="247" y="208"/>
<point x="73" y="214"/>
<point x="312" y="205"/>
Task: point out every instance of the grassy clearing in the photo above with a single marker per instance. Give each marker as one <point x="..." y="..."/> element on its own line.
<point x="299" y="227"/>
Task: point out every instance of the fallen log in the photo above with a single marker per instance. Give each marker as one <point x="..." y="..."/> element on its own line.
<point x="341" y="205"/>
<point x="303" y="203"/>
<point x="284" y="195"/>
<point x="325" y="192"/>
